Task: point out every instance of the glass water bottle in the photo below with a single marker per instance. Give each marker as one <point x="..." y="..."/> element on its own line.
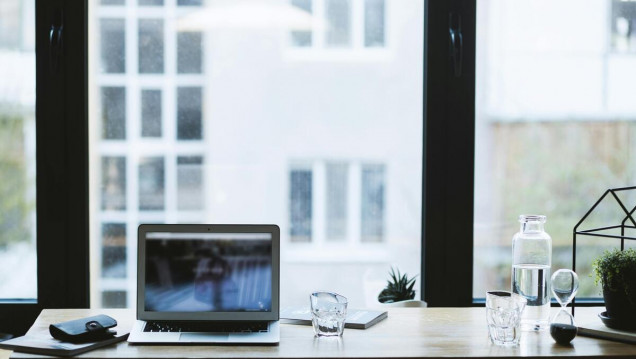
<point x="531" y="261"/>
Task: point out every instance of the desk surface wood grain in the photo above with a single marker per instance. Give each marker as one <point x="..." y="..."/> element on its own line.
<point x="407" y="332"/>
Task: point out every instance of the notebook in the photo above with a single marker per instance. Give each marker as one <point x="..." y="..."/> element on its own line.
<point x="207" y="284"/>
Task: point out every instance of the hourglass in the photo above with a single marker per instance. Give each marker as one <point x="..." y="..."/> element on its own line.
<point x="565" y="284"/>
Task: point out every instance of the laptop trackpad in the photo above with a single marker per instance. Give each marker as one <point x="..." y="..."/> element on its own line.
<point x="203" y="337"/>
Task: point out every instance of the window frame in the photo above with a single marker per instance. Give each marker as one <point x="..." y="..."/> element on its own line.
<point x="61" y="110"/>
<point x="448" y="155"/>
<point x="62" y="162"/>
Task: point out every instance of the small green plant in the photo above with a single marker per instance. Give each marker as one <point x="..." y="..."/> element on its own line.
<point x="399" y="287"/>
<point x="616" y="271"/>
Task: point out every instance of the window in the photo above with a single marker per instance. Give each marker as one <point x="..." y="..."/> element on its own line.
<point x="189" y="2"/>
<point x="113" y="113"/>
<point x="150" y="2"/>
<point x="221" y="128"/>
<point x="190" y="190"/>
<point x="114" y="298"/>
<point x="374" y="23"/>
<point x="113" y="44"/>
<point x="566" y="101"/>
<point x="324" y="206"/>
<point x="372" y="203"/>
<point x="623" y="26"/>
<point x="189" y="52"/>
<point x="348" y="24"/>
<point x="337" y="195"/>
<point x="114" y="250"/>
<point x="113" y="184"/>
<point x="151" y="184"/>
<point x="18" y="261"/>
<point x="151" y="113"/>
<point x="150" y="46"/>
<point x="338" y="14"/>
<point x="300" y="205"/>
<point x="189" y="124"/>
<point x="302" y="38"/>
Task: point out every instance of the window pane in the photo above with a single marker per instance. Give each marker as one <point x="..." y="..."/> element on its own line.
<point x="373" y="203"/>
<point x="18" y="271"/>
<point x="151" y="113"/>
<point x="150" y="46"/>
<point x="189" y="52"/>
<point x="114" y="250"/>
<point x="337" y="177"/>
<point x="189" y="113"/>
<point x="338" y="14"/>
<point x="114" y="299"/>
<point x="623" y="26"/>
<point x="112" y="2"/>
<point x="374" y="23"/>
<point x="302" y="38"/>
<point x="113" y="187"/>
<point x="554" y="127"/>
<point x="300" y="203"/>
<point x="236" y="128"/>
<point x="189" y="2"/>
<point x="113" y="45"/>
<point x="151" y="184"/>
<point x="114" y="113"/>
<point x="190" y="195"/>
<point x="151" y="2"/>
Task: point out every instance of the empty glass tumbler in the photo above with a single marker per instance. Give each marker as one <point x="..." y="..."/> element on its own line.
<point x="328" y="313"/>
<point x="504" y="310"/>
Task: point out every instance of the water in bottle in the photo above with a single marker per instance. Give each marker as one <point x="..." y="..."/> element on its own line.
<point x="532" y="258"/>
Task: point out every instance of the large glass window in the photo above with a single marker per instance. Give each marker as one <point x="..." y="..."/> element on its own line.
<point x="18" y="277"/>
<point x="221" y="122"/>
<point x="555" y="119"/>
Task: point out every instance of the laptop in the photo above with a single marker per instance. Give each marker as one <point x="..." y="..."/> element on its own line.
<point x="201" y="283"/>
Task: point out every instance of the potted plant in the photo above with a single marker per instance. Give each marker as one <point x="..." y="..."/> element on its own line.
<point x="399" y="288"/>
<point x="616" y="271"/>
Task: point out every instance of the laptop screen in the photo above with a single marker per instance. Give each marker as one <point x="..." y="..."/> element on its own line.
<point x="199" y="271"/>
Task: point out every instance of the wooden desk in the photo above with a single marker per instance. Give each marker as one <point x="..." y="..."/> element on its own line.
<point x="407" y="332"/>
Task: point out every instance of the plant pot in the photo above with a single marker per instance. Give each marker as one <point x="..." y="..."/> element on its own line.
<point x="618" y="305"/>
<point x="410" y="303"/>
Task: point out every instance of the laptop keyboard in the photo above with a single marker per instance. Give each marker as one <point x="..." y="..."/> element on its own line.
<point x="206" y="327"/>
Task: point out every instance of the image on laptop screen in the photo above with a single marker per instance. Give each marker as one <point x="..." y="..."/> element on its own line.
<point x="208" y="272"/>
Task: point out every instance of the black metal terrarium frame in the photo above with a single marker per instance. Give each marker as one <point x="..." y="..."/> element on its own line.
<point x="627" y="222"/>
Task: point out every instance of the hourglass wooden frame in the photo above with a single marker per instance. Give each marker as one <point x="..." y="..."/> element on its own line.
<point x="628" y="221"/>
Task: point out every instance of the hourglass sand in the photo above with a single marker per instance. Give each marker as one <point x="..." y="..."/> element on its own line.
<point x="565" y="284"/>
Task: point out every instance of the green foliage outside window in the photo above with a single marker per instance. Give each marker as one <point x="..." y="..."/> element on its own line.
<point x="15" y="206"/>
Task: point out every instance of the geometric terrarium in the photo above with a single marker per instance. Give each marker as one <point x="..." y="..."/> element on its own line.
<point x="608" y="225"/>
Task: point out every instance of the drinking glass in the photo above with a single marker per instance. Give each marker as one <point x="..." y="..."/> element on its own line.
<point x="328" y="313"/>
<point x="504" y="316"/>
